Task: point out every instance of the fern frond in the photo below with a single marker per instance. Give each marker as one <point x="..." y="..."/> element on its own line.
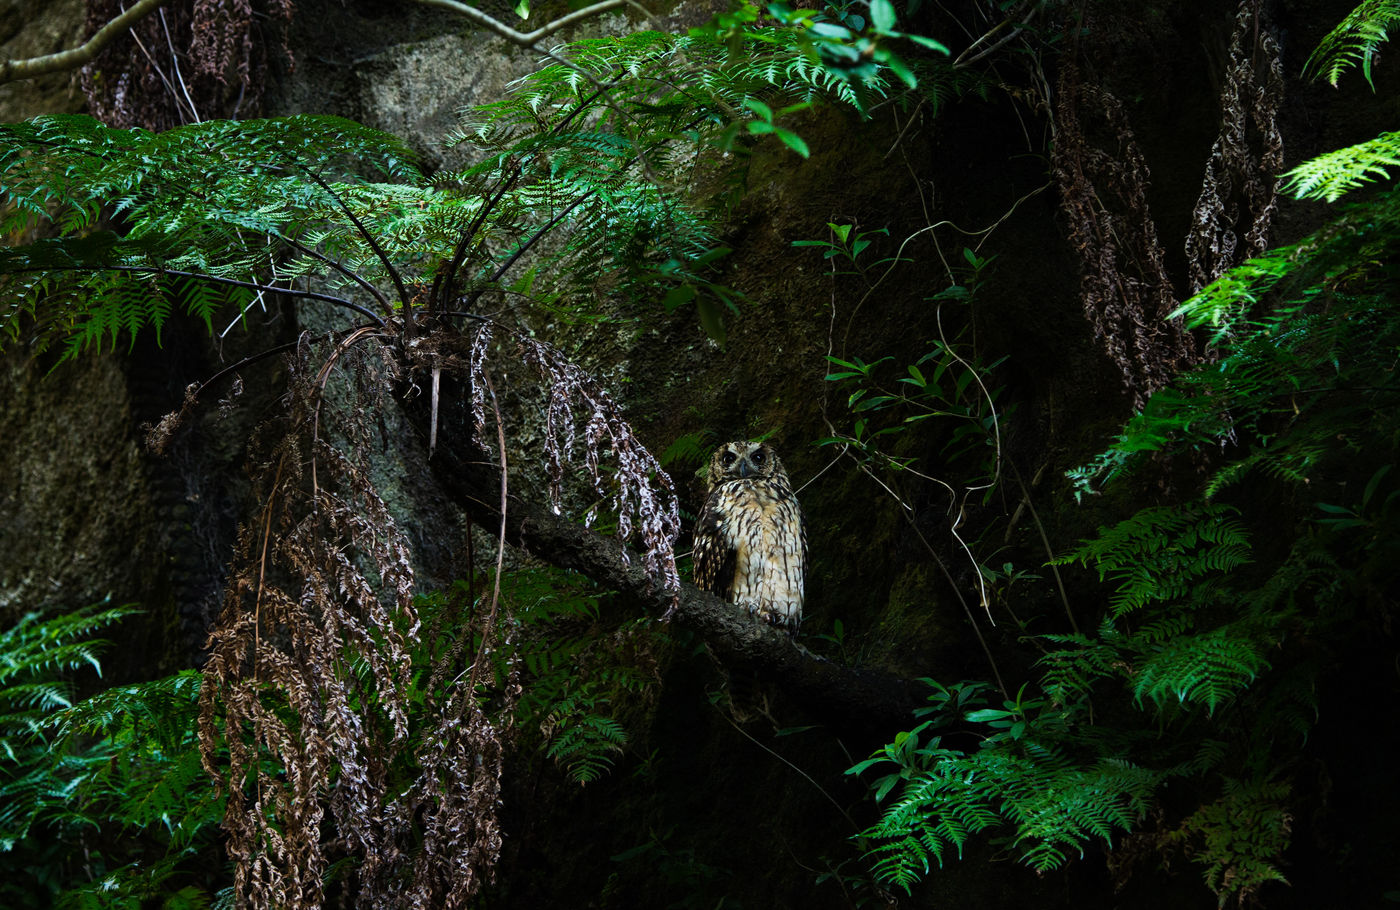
<point x="36" y="645"/>
<point x="1207" y="669"/>
<point x="585" y="746"/>
<point x="1334" y="174"/>
<point x="1354" y="41"/>
<point x="1241" y="837"/>
<point x="1052" y="805"/>
<point x="1071" y="672"/>
<point x="1159" y="553"/>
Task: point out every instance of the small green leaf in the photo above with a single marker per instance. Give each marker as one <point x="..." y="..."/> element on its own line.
<point x="759" y="108"/>
<point x="1335" y="510"/>
<point x="522" y="9"/>
<point x="928" y="43"/>
<point x="711" y="319"/>
<point x="831" y="30"/>
<point x="678" y="296"/>
<point x="861" y="766"/>
<point x="882" y="15"/>
<point x="794" y="108"/>
<point x="794" y="142"/>
<point x="897" y="66"/>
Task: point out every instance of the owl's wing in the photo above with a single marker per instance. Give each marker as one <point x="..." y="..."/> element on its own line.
<point x="714" y="555"/>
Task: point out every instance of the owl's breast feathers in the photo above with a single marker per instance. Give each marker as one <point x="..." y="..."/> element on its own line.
<point x="751" y="548"/>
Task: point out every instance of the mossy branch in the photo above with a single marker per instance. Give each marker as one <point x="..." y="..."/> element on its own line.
<point x="10" y="70"/>
<point x="861" y="699"/>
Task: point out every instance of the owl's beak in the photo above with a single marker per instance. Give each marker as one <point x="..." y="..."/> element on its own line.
<point x="744" y="469"/>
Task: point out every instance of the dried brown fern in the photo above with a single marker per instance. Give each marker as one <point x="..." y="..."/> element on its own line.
<point x="1124" y="286"/>
<point x="191" y="60"/>
<point x="637" y="490"/>
<point x="335" y="748"/>
<point x="308" y="685"/>
<point x="1240" y="188"/>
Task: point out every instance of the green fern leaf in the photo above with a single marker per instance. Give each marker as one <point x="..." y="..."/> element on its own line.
<point x="1207" y="669"/>
<point x="1334" y="174"/>
<point x="1354" y="41"/>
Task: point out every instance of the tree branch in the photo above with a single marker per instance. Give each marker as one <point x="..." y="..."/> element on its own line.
<point x="864" y="700"/>
<point x="11" y="70"/>
<point x="527" y="39"/>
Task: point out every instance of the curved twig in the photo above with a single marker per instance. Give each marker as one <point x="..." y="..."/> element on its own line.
<point x="527" y="39"/>
<point x="490" y="623"/>
<point x="78" y="56"/>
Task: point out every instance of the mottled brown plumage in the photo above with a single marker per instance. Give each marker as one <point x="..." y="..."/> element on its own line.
<point x="750" y="542"/>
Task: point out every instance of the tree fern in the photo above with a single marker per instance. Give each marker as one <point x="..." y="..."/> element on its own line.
<point x="208" y="213"/>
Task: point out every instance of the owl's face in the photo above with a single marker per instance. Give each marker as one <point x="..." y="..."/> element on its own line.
<point x="744" y="460"/>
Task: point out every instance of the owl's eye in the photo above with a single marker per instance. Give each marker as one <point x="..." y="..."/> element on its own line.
<point x="728" y="459"/>
<point x="757" y="458"/>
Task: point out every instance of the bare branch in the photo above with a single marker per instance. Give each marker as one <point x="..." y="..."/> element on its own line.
<point x="11" y="70"/>
<point x="527" y="39"/>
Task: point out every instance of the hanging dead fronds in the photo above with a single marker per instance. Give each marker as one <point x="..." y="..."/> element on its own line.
<point x="1239" y="192"/>
<point x="189" y="61"/>
<point x="314" y="684"/>
<point x="1124" y="286"/>
<point x="641" y="493"/>
<point x="309" y="678"/>
<point x="635" y="488"/>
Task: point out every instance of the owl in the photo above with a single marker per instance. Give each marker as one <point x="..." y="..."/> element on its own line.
<point x="750" y="542"/>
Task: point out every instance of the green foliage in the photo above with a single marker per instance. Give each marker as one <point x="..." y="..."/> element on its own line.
<point x="1334" y="174"/>
<point x="1031" y="773"/>
<point x="1240" y="836"/>
<point x="1304" y="337"/>
<point x="852" y="53"/>
<point x="1043" y="769"/>
<point x="116" y="777"/>
<point x="624" y="110"/>
<point x="1161" y="553"/>
<point x="946" y="384"/>
<point x="1195" y="669"/>
<point x="574" y="679"/>
<point x="212" y="215"/>
<point x="206" y="214"/>
<point x="1180" y="635"/>
<point x="34" y="656"/>
<point x="1355" y="41"/>
<point x="582" y="741"/>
